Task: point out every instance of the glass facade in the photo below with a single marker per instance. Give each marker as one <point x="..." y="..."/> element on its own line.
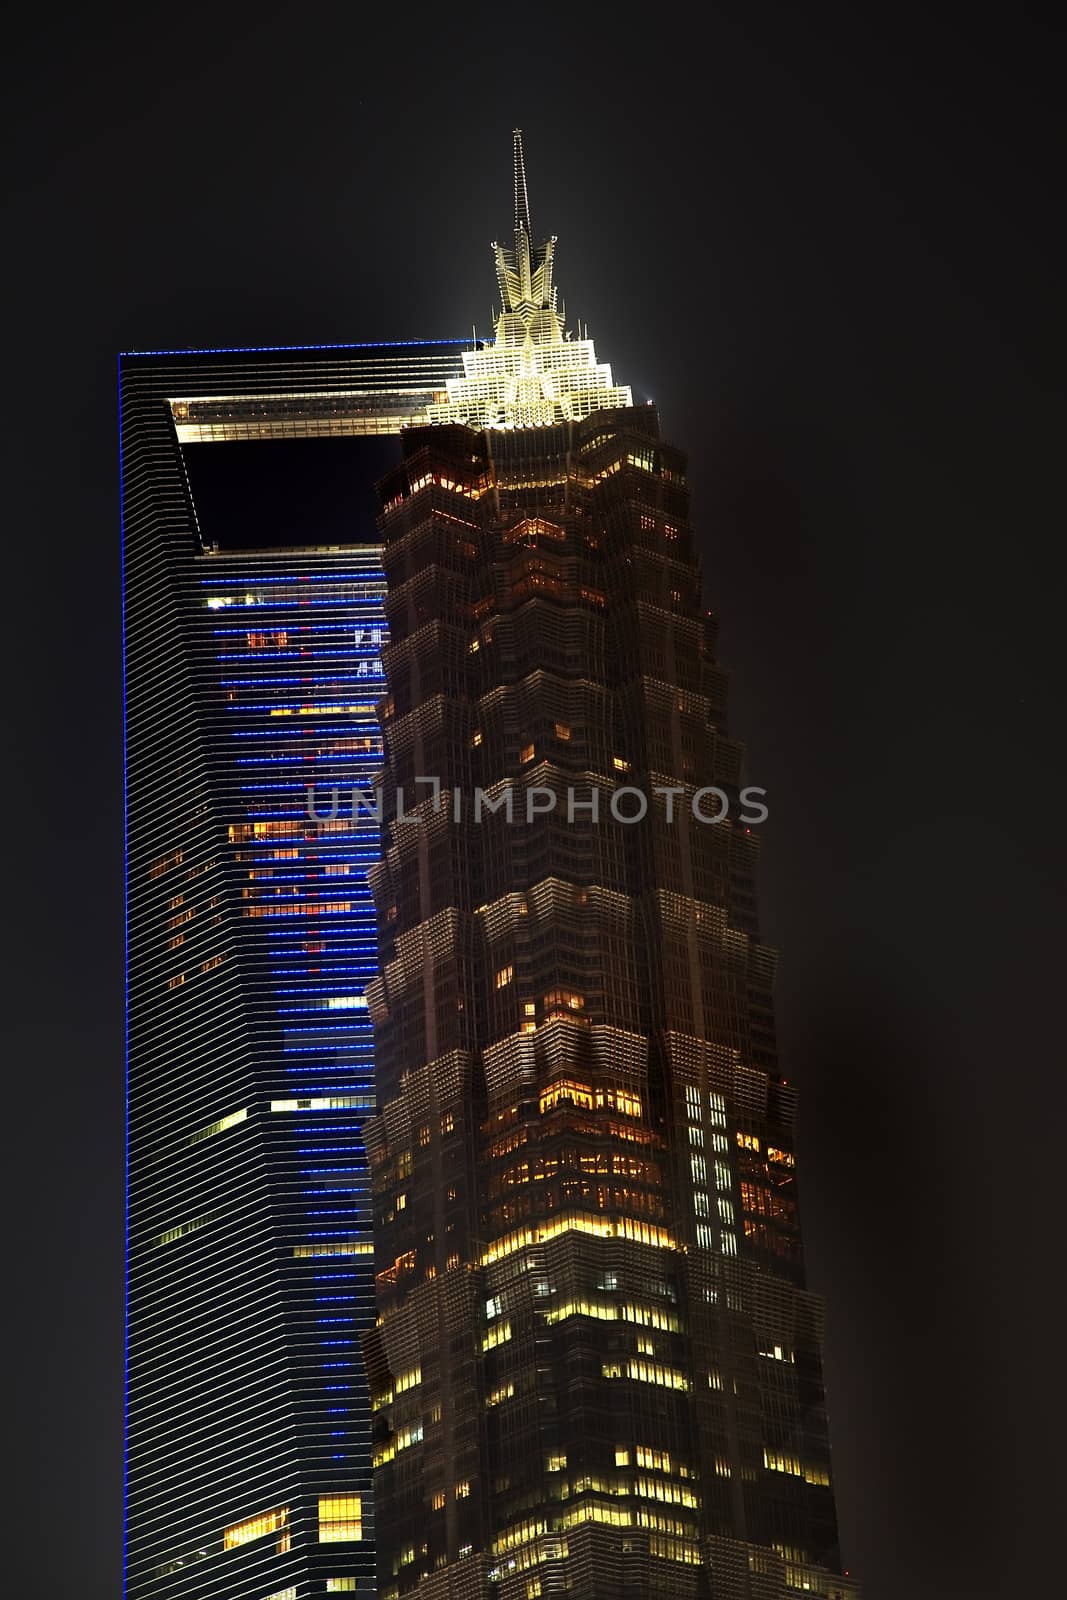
<point x="254" y="642"/>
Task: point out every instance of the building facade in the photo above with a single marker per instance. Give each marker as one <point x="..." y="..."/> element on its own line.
<point x="595" y="1369"/>
<point x="253" y="646"/>
<point x="462" y="1231"/>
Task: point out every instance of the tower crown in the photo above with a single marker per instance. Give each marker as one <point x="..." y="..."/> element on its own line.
<point x="533" y="373"/>
<point x="524" y="273"/>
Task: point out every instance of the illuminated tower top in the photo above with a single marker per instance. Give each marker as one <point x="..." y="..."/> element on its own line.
<point x="533" y="373"/>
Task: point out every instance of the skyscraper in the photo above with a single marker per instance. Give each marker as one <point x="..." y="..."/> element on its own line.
<point x="596" y="1368"/>
<point x="254" y="624"/>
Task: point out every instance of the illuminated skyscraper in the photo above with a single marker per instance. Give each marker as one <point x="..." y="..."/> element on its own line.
<point x="254" y="625"/>
<point x="596" y="1368"/>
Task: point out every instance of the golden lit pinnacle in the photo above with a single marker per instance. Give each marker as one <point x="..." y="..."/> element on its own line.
<point x="534" y="373"/>
<point x="522" y="201"/>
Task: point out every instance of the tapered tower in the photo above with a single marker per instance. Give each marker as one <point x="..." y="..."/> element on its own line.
<point x="596" y="1368"/>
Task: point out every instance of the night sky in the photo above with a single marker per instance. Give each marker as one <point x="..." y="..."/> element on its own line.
<point x="822" y="240"/>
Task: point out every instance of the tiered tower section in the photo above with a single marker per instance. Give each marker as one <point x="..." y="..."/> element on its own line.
<point x="596" y="1369"/>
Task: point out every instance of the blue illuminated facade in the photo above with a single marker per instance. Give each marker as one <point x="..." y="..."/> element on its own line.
<point x="293" y="641"/>
<point x="253" y="672"/>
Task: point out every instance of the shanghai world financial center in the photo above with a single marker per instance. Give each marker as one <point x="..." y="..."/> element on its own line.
<point x="464" y="1254"/>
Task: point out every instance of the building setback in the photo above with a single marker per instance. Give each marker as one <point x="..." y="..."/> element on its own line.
<point x="595" y="1369"/>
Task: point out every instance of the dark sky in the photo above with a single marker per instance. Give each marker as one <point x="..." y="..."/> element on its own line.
<point x="822" y="239"/>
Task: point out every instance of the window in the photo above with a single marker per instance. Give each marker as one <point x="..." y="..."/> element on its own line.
<point x="504" y="976"/>
<point x="239" y="1533"/>
<point x="158" y="868"/>
<point x="334" y="1102"/>
<point x="340" y="1518"/>
<point x="184" y="1228"/>
<point x="563" y="731"/>
<point x="219" y="1127"/>
<point x="343" y="1247"/>
<point x="527" y="753"/>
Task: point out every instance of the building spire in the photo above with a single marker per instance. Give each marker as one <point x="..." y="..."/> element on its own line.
<point x="533" y="373"/>
<point x="522" y="200"/>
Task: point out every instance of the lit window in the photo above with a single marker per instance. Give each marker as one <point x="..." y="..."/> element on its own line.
<point x="219" y="1127"/>
<point x="438" y="1501"/>
<point x="335" y="1102"/>
<point x="476" y="738"/>
<point x="239" y="1533"/>
<point x="527" y="753"/>
<point x="343" y="1247"/>
<point x="504" y="976"/>
<point x="563" y="731"/>
<point x="184" y="1228"/>
<point x="340" y="1518"/>
<point x="340" y="1585"/>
